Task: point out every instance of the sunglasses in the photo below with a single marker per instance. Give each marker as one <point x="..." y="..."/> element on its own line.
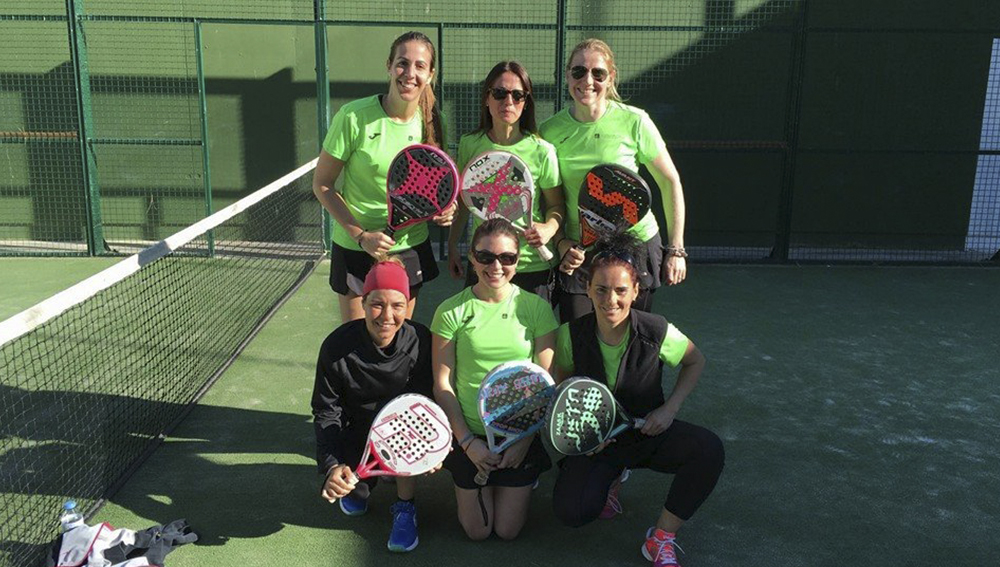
<point x="599" y="75"/>
<point x="486" y="258"/>
<point x="499" y="93"/>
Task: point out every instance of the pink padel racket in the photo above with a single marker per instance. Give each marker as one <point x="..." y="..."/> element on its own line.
<point x="410" y="436"/>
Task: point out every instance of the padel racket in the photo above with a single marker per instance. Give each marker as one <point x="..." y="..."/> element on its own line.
<point x="612" y="197"/>
<point x="422" y="182"/>
<point x="584" y="414"/>
<point x="498" y="184"/>
<point x="410" y="436"/>
<point x="513" y="400"/>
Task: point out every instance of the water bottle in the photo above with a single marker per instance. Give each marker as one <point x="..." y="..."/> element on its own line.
<point x="70" y="517"/>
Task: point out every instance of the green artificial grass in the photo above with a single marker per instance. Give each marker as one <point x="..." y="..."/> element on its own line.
<point x="859" y="408"/>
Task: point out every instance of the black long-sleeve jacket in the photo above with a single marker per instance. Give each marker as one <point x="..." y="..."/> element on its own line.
<point x="354" y="379"/>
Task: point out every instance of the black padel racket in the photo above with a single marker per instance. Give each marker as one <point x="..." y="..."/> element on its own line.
<point x="422" y="182"/>
<point x="612" y="197"/>
<point x="513" y="400"/>
<point x="584" y="414"/>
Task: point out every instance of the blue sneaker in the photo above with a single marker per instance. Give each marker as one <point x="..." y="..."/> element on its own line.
<point x="353" y="506"/>
<point x="403" y="536"/>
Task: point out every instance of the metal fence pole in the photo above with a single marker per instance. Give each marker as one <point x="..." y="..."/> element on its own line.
<point x="560" y="53"/>
<point x="85" y="121"/>
<point x="322" y="98"/>
<point x="203" y="111"/>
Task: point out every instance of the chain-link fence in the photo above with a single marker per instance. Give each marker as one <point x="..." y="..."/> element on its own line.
<point x="803" y="130"/>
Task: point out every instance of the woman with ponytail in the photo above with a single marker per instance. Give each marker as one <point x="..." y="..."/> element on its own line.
<point x="364" y="136"/>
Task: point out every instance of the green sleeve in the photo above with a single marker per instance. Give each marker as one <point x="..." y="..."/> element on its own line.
<point x="564" y="351"/>
<point x="443" y="323"/>
<point x="674" y="346"/>
<point x="548" y="172"/>
<point x="545" y="321"/>
<point x="651" y="144"/>
<point x="340" y="138"/>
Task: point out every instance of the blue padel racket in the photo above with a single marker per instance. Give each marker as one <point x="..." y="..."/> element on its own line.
<point x="422" y="182"/>
<point x="583" y="415"/>
<point x="498" y="184"/>
<point x="513" y="400"/>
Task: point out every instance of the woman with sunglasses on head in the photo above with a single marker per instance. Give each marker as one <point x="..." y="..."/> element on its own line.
<point x="364" y="136"/>
<point x="484" y="325"/>
<point x="626" y="349"/>
<point x="507" y="123"/>
<point x="599" y="128"/>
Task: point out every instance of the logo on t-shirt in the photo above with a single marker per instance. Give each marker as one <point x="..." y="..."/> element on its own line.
<point x="374" y="135"/>
<point x="564" y="140"/>
<point x="410" y="138"/>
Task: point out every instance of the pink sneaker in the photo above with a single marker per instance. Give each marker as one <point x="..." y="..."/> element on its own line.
<point x="613" y="506"/>
<point x="659" y="548"/>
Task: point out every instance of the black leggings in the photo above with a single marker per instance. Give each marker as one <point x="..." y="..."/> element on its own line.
<point x="692" y="453"/>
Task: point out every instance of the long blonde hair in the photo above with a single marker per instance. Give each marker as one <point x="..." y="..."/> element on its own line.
<point x="430" y="113"/>
<point x="594" y="44"/>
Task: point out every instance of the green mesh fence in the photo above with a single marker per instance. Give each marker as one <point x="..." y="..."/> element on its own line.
<point x="800" y="130"/>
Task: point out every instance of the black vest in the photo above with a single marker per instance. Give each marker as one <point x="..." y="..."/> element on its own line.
<point x="639" y="388"/>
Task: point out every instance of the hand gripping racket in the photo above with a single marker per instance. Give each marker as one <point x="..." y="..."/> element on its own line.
<point x="410" y="436"/>
<point x="612" y="197"/>
<point x="585" y="414"/>
<point x="422" y="182"/>
<point x="513" y="399"/>
<point x="498" y="184"/>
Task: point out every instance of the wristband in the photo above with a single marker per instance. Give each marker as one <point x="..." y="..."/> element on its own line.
<point x="676" y="252"/>
<point x="358" y="239"/>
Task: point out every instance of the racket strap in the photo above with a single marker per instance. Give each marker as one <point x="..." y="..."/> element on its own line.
<point x="482" y="506"/>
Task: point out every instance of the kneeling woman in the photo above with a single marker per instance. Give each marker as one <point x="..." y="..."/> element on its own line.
<point x="626" y="350"/>
<point x="362" y="365"/>
<point x="484" y="325"/>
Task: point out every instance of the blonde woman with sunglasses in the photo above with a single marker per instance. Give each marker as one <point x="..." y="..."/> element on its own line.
<point x="599" y="128"/>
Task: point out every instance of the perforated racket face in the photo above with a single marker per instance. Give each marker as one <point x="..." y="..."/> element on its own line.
<point x="409" y="436"/>
<point x="497" y="184"/>
<point x="422" y="182"/>
<point x="514" y="398"/>
<point x="581" y="416"/>
<point x="611" y="197"/>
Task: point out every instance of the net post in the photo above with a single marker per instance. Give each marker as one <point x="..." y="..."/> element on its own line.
<point x="203" y="114"/>
<point x="85" y="120"/>
<point x="322" y="97"/>
<point x="560" y="53"/>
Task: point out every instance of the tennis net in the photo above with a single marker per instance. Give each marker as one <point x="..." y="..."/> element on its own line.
<point x="93" y="377"/>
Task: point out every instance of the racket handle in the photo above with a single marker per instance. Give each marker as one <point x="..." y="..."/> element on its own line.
<point x="482" y="478"/>
<point x="545" y="253"/>
<point x="639" y="423"/>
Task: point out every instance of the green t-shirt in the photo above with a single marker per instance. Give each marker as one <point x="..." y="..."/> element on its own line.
<point x="624" y="135"/>
<point x="540" y="157"/>
<point x="364" y="137"/>
<point x="488" y="334"/>
<point x="672" y="350"/>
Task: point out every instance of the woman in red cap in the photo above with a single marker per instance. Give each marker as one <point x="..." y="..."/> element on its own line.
<point x="362" y="365"/>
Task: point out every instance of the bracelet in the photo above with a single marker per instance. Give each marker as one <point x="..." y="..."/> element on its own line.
<point x="358" y="239"/>
<point x="461" y="442"/>
<point x="676" y="252"/>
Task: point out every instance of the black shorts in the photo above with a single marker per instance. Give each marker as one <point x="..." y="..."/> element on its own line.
<point x="348" y="268"/>
<point x="463" y="472"/>
<point x="649" y="275"/>
<point x="542" y="283"/>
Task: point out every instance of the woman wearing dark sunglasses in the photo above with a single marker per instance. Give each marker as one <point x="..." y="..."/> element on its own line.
<point x="626" y="350"/>
<point x="364" y="136"/>
<point x="489" y="323"/>
<point x="507" y="123"/>
<point x="598" y="128"/>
